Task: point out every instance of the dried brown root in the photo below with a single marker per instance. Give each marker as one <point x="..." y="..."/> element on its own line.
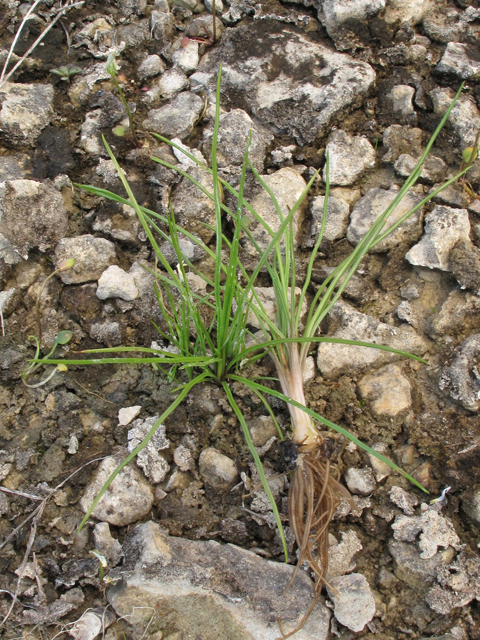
<point x="314" y="495"/>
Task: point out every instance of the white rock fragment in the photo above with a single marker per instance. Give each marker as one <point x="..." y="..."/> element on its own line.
<point x="183" y="158"/>
<point x="340" y="555"/>
<point x="464" y="118"/>
<point x="217" y="469"/>
<point x="458" y="60"/>
<point x="182" y="456"/>
<point x="129" y="498"/>
<point x="380" y="468"/>
<point x="72" y="445"/>
<point x="106" y="544"/>
<point x="92" y="256"/>
<point x="187" y="58"/>
<point x="150" y="459"/>
<point x="127" y="414"/>
<point x="461" y="378"/>
<point x="26" y="109"/>
<point x="437" y="530"/>
<point x="152" y="66"/>
<point x="388" y="390"/>
<point x="353" y="601"/>
<point x="338" y="215"/>
<point x="309" y="370"/>
<point x="444" y="227"/>
<point x="349" y="158"/>
<point x="360" y="481"/>
<point x="402" y="96"/>
<point x="406" y="501"/>
<point x="116" y="283"/>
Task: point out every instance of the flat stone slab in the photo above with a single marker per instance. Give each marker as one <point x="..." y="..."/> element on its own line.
<point x="283" y="80"/>
<point x="210" y="591"/>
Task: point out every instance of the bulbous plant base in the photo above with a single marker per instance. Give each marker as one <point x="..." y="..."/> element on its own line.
<point x="315" y="492"/>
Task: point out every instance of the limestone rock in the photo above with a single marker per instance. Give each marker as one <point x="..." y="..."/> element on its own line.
<point x="444" y="227"/>
<point x="233" y="134"/>
<point x="266" y="296"/>
<point x="369" y="208"/>
<point x="282" y="100"/>
<point x="170" y="83"/>
<point x="106" y="544"/>
<point x="349" y="324"/>
<point x="461" y="379"/>
<point x="127" y="414"/>
<point x="465" y="265"/>
<point x="433" y="169"/>
<point x="14" y="167"/>
<point x="26" y="110"/>
<point x="149" y="458"/>
<point x="380" y="468"/>
<point x="92" y="257"/>
<point x="464" y="118"/>
<point x="346" y="20"/>
<point x="415" y="571"/>
<point x="262" y="429"/>
<point x="338" y="215"/>
<point x="187" y="58"/>
<point x="471" y="504"/>
<point x="340" y="555"/>
<point x="460" y="60"/>
<point x="360" y="481"/>
<point x="399" y="140"/>
<point x="129" y="498"/>
<point x="192" y="207"/>
<point x="177" y="118"/>
<point x="150" y="67"/>
<point x="388" y="390"/>
<point x="211" y="590"/>
<point x="411" y="11"/>
<point x="32" y="214"/>
<point x="460" y="310"/>
<point x="406" y="501"/>
<point x="116" y="283"/>
<point x="350" y="157"/>
<point x="353" y="600"/>
<point x="217" y="469"/>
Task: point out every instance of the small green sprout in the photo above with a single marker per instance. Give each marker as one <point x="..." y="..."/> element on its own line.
<point x="119" y="131"/>
<point x="66" y="73"/>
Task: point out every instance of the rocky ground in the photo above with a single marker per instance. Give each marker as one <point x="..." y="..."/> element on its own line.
<point x="188" y="539"/>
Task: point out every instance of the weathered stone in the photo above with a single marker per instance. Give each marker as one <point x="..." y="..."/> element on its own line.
<point x="415" y="571"/>
<point x="346" y="20"/>
<point x="26" y="110"/>
<point x="338" y="215"/>
<point x="450" y="24"/>
<point x="444" y="227"/>
<point x="14" y="167"/>
<point x="399" y="140"/>
<point x="401" y="97"/>
<point x="284" y="100"/>
<point x="459" y="311"/>
<point x="106" y="544"/>
<point x="32" y="214"/>
<point x="411" y="11"/>
<point x="233" y="134"/>
<point x="182" y="456"/>
<point x="150" y="67"/>
<point x="92" y="257"/>
<point x="372" y="206"/>
<point x="458" y="585"/>
<point x="433" y="169"/>
<point x="217" y="469"/>
<point x="106" y="332"/>
<point x="461" y="379"/>
<point x="262" y="429"/>
<point x="353" y="600"/>
<point x="116" y="283"/>
<point x="162" y="26"/>
<point x="170" y="83"/>
<point x="471" y="504"/>
<point x="187" y="58"/>
<point x="349" y="324"/>
<point x="465" y="265"/>
<point x="360" y="481"/>
<point x="388" y="390"/>
<point x="350" y="157"/>
<point x="127" y="414"/>
<point x="129" y="498"/>
<point x="177" y="118"/>
<point x="340" y="555"/>
<point x="192" y="207"/>
<point x="149" y="458"/>
<point x="460" y="60"/>
<point x="464" y="118"/>
<point x="380" y="468"/>
<point x="406" y="501"/>
<point x="212" y="590"/>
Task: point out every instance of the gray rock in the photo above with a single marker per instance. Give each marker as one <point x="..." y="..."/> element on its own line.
<point x="162" y="26"/>
<point x="183" y="158"/>
<point x="444" y="227"/>
<point x="130" y="496"/>
<point x="340" y="554"/>
<point x="170" y="83"/>
<point x="92" y="256"/>
<point x="192" y="207"/>
<point x="401" y="96"/>
<point x="433" y="169"/>
<point x="14" y="167"/>
<point x="262" y="429"/>
<point x="360" y="481"/>
<point x="461" y="379"/>
<point x="233" y="133"/>
<point x="338" y="215"/>
<point x="83" y="85"/>
<point x="353" y="600"/>
<point x="218" y="6"/>
<point x="471" y="504"/>
<point x="183" y="458"/>
<point x="132" y="7"/>
<point x="347" y="323"/>
<point x="106" y="544"/>
<point x="106" y="332"/>
<point x="150" y="67"/>
<point x="287" y="186"/>
<point x="402" y="11"/>
<point x="399" y="140"/>
<point x="350" y="158"/>
<point x="454" y="195"/>
<point x="211" y="590"/>
<point x="26" y="110"/>
<point x="127" y="414"/>
<point x="460" y="309"/>
<point x="380" y="468"/>
<point x="238" y="10"/>
<point x="459" y="584"/>
<point x="217" y="469"/>
<point x="460" y="60"/>
<point x="412" y="290"/>
<point x="464" y="118"/>
<point x="346" y="20"/>
<point x="137" y="36"/>
<point x="388" y="390"/>
<point x="449" y="24"/>
<point x="369" y="208"/>
<point x="406" y="501"/>
<point x="187" y="57"/>
<point x="415" y="571"/>
<point x="284" y="100"/>
<point x="4" y="506"/>
<point x="116" y="283"/>
<point x="32" y="215"/>
<point x="465" y="265"/>
<point x="177" y="118"/>
<point x="189" y="250"/>
<point x="150" y="459"/>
